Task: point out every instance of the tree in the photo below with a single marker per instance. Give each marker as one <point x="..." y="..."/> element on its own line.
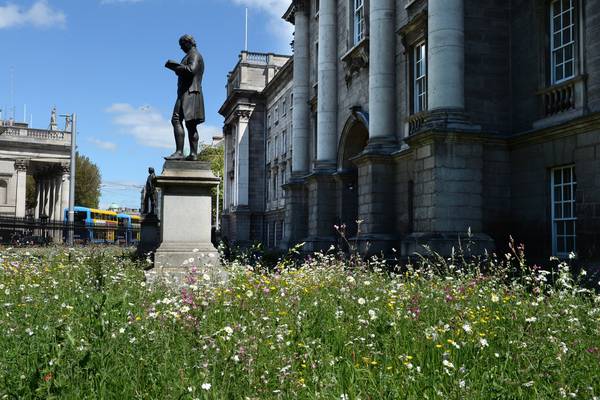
<point x="214" y="155"/>
<point x="87" y="182"/>
<point x="30" y="193"/>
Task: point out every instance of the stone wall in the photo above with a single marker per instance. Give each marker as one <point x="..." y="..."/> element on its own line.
<point x="487" y="67"/>
<point x="592" y="54"/>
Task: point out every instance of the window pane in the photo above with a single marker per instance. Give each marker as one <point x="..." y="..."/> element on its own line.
<point x="566" y="37"/>
<point x="557" y="194"/>
<point x="559" y="73"/>
<point x="569" y="69"/>
<point x="559" y="56"/>
<point x="570" y="244"/>
<point x="567" y="175"/>
<point x="566" y="5"/>
<point x="557" y="177"/>
<point x="556" y="24"/>
<point x="567" y="193"/>
<point x="556" y="8"/>
<point x="557" y="210"/>
<point x="571" y="228"/>
<point x="560" y="244"/>
<point x="567" y="210"/>
<point x="560" y="228"/>
<point x="557" y="40"/>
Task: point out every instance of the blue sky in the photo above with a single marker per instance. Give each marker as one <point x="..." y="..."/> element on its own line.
<point x="104" y="60"/>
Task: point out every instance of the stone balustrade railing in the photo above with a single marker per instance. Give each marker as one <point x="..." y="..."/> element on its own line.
<point x="558" y="98"/>
<point x="33" y="133"/>
<point x="255" y="58"/>
<point x="415" y="122"/>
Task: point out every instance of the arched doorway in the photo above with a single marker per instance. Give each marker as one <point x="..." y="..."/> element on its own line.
<point x="354" y="139"/>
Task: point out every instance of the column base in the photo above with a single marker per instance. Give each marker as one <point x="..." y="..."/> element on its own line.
<point x="454" y="119"/>
<point x="295" y="212"/>
<point x="443" y="243"/>
<point x="374" y="244"/>
<point x="313" y="244"/>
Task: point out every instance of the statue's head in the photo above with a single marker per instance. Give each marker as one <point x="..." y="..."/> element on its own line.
<point x="187" y="42"/>
<point x="150" y="170"/>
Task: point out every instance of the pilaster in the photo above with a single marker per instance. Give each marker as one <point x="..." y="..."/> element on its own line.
<point x="21" y="175"/>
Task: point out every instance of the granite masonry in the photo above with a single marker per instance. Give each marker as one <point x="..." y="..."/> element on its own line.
<point x="425" y="120"/>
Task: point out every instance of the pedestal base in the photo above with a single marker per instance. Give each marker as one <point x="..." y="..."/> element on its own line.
<point x="186" y="221"/>
<point x="149" y="235"/>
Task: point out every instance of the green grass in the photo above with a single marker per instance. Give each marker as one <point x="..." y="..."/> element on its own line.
<point x="78" y="324"/>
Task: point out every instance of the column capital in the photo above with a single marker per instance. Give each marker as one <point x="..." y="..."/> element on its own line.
<point x="65" y="168"/>
<point x="21" y="165"/>
<point x="243" y="115"/>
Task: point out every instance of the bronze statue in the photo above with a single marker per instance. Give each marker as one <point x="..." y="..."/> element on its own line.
<point x="149" y="204"/>
<point x="189" y="106"/>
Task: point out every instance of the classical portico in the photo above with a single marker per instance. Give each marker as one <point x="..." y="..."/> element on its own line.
<point x="42" y="154"/>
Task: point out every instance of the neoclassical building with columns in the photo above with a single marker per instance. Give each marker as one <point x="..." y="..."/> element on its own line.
<point x="428" y="119"/>
<point x="43" y="154"/>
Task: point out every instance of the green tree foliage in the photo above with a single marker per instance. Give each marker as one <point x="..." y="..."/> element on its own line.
<point x="30" y="193"/>
<point x="214" y="155"/>
<point x="87" y="182"/>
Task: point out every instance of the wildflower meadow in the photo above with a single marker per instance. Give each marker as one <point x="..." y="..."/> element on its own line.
<point x="83" y="323"/>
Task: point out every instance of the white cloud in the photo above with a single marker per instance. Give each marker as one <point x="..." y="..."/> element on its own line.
<point x="103" y="144"/>
<point x="40" y="15"/>
<point x="149" y="128"/>
<point x="119" y="1"/>
<point x="277" y="26"/>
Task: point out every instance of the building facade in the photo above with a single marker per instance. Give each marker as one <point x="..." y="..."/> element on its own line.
<point x="43" y="154"/>
<point x="428" y="119"/>
<point x="256" y="138"/>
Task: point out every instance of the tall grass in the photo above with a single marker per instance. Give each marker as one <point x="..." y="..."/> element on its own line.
<point x="78" y="324"/>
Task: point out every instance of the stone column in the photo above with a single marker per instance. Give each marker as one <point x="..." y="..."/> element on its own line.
<point x="38" y="205"/>
<point x="295" y="227"/>
<point x="327" y="89"/>
<point x="66" y="184"/>
<point x="376" y="168"/>
<point x="242" y="153"/>
<point x="47" y="196"/>
<point x="58" y="212"/>
<point x="382" y="73"/>
<point x="300" y="114"/>
<point x="446" y="55"/>
<point x="21" y="175"/>
<point x="226" y="163"/>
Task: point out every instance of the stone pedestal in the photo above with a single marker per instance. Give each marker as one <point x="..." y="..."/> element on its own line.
<point x="321" y="211"/>
<point x="185" y="231"/>
<point x="295" y="213"/>
<point x="149" y="235"/>
<point x="376" y="186"/>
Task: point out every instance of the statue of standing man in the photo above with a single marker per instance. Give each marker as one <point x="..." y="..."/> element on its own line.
<point x="189" y="107"/>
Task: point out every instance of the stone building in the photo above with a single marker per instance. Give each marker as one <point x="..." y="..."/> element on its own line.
<point x="256" y="134"/>
<point x="426" y="119"/>
<point x="43" y="154"/>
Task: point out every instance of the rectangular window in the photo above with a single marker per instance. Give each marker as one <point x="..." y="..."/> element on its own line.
<point x="563" y="185"/>
<point x="284" y="107"/>
<point x="420" y="78"/>
<point x="562" y="40"/>
<point x="359" y="20"/>
<point x="284" y="140"/>
<point x="316" y="7"/>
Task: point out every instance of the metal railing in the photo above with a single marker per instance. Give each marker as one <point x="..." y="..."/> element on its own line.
<point x="30" y="231"/>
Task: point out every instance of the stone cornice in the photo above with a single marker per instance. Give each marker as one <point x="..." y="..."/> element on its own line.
<point x="569" y="128"/>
